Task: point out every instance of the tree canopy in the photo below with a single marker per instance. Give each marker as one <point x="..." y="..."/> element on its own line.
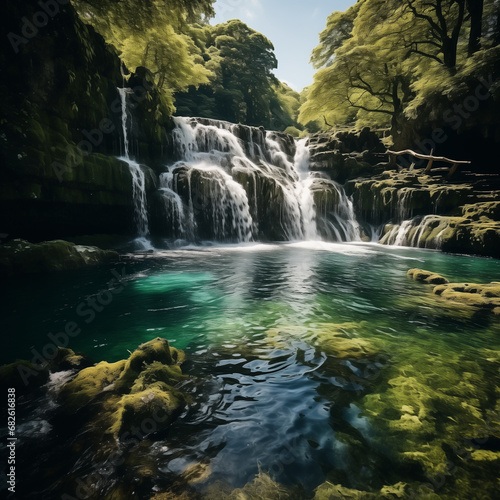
<point x="155" y="35"/>
<point x="243" y="87"/>
<point x="381" y="59"/>
<point x="222" y="71"/>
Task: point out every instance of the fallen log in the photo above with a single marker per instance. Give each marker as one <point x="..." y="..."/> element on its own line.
<point x="431" y="158"/>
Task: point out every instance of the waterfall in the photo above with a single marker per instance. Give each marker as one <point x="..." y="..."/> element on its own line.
<point x="304" y="192"/>
<point x="138" y="176"/>
<point x="236" y="183"/>
<point x="426" y="232"/>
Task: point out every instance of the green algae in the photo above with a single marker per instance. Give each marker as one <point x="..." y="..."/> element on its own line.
<point x="123" y="395"/>
<point x="329" y="491"/>
<point x="341" y="340"/>
<point x="430" y="406"/>
<point x="89" y="383"/>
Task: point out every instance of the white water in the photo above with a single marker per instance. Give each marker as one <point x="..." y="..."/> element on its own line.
<point x="303" y="190"/>
<point x="138" y="179"/>
<point x="216" y="183"/>
<point x="419" y="232"/>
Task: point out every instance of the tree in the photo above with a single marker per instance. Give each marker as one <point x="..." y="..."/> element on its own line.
<point x="339" y="26"/>
<point x="245" y="66"/>
<point x="476" y="9"/>
<point x="398" y="56"/>
<point x="363" y="82"/>
<point x="443" y="21"/>
<point x="156" y="36"/>
<point x="243" y="88"/>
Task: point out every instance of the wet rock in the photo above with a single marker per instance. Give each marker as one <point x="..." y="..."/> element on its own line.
<point x="22" y="257"/>
<point x="127" y="394"/>
<point x="263" y="487"/>
<point x="426" y="277"/>
<point x="468" y="295"/>
<point x="66" y="359"/>
<point x="23" y="376"/>
<point x="346" y="155"/>
<point x="481" y="296"/>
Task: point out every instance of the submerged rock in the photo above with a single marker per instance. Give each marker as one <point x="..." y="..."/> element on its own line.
<point x="340" y="340"/>
<point x="469" y="295"/>
<point x="483" y="296"/>
<point x="22" y="257"/>
<point x="329" y="491"/>
<point x="25" y="376"/>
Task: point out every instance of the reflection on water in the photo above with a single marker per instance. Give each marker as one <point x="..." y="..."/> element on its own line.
<point x="313" y="361"/>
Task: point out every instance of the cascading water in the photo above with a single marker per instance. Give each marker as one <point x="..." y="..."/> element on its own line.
<point x="238" y="184"/>
<point x="426" y="232"/>
<point x="138" y="176"/>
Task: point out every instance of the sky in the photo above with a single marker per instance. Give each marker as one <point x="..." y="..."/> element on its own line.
<point x="293" y="26"/>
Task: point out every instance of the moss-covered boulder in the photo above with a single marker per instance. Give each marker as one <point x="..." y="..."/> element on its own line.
<point x="482" y="296"/>
<point x="128" y="394"/>
<point x="163" y="362"/>
<point x="468" y="296"/>
<point x="427" y="277"/>
<point x="89" y="383"/>
<point x="22" y="257"/>
<point x="66" y="359"/>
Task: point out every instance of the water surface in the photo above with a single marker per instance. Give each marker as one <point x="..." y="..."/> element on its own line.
<point x="274" y="392"/>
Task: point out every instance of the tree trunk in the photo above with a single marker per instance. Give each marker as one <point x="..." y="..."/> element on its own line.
<point x="450" y="43"/>
<point x="397" y="106"/>
<point x="476" y="8"/>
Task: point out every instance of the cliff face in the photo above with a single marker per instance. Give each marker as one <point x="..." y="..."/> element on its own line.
<point x="61" y="126"/>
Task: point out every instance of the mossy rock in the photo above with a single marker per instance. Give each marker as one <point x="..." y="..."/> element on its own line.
<point x="263" y="487"/>
<point x="426" y="276"/>
<point x="23" y="376"/>
<point x="159" y="375"/>
<point x="89" y="383"/>
<point x="66" y="359"/>
<point x="150" y="410"/>
<point x="481" y="296"/>
<point x="430" y="406"/>
<point x="155" y="350"/>
<point x="22" y="257"/>
<point x="475" y="211"/>
<point x="138" y="393"/>
<point x="330" y="491"/>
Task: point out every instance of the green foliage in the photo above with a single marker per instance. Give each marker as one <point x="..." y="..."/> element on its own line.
<point x="381" y="60"/>
<point x="157" y="36"/>
<point x="243" y="88"/>
<point x="339" y="26"/>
